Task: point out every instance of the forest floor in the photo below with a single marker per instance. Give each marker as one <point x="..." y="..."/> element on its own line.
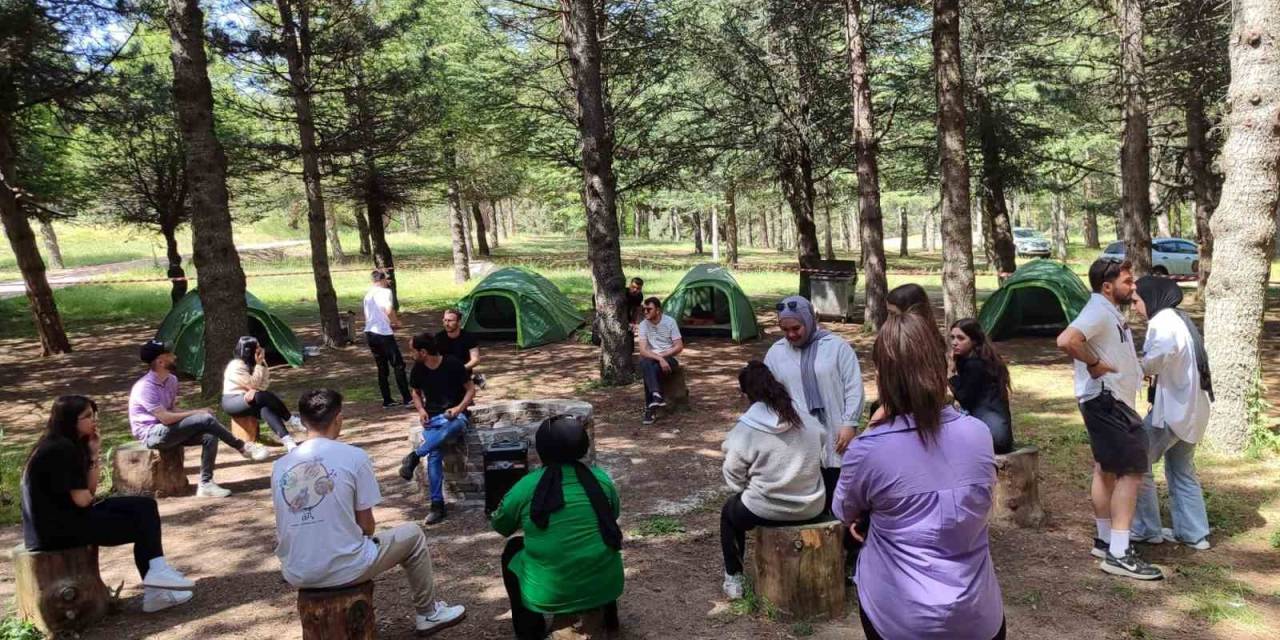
<point x="669" y="478"/>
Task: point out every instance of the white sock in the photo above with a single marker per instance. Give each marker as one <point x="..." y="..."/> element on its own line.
<point x="1104" y="528"/>
<point x="1119" y="542"/>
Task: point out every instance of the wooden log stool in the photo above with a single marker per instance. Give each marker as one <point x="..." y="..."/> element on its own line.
<point x="675" y="390"/>
<point x="342" y="613"/>
<point x="800" y="569"/>
<point x="137" y="470"/>
<point x="583" y="625"/>
<point x="246" y="428"/>
<point x="1018" y="487"/>
<point x="59" y="591"/>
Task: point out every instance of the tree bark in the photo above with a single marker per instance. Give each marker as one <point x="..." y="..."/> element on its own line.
<point x="1000" y="247"/>
<point x="1135" y="159"/>
<point x="764" y="227"/>
<point x="331" y="232"/>
<point x="902" y="231"/>
<point x="382" y="256"/>
<point x="797" y="185"/>
<point x="697" y="232"/>
<point x="1090" y="216"/>
<point x="1244" y="225"/>
<point x="490" y="211"/>
<point x="457" y="230"/>
<point x="214" y="250"/>
<point x="731" y="209"/>
<point x="826" y="218"/>
<point x="1059" y="228"/>
<point x="959" y="299"/>
<point x="482" y="243"/>
<point x="1204" y="185"/>
<point x="715" y="234"/>
<point x="362" y="229"/>
<point x="50" y="238"/>
<point x="604" y="253"/>
<point x="177" y="288"/>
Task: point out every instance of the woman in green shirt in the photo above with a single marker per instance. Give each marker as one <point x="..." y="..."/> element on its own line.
<point x="568" y="559"/>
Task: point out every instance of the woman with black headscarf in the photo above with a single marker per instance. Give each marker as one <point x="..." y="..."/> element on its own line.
<point x="1173" y="355"/>
<point x="569" y="558"/>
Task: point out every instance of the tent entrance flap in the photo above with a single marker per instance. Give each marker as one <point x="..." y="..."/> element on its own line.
<point x="706" y="312"/>
<point x="1036" y="312"/>
<point x="494" y="316"/>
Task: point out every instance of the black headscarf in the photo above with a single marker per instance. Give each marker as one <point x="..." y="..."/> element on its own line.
<point x="561" y="442"/>
<point x="1158" y="294"/>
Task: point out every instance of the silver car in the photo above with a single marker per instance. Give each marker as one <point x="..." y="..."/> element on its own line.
<point x="1169" y="256"/>
<point x="1029" y="242"/>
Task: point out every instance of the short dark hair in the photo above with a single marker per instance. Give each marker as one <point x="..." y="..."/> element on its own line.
<point x="638" y="282"/>
<point x="454" y="312"/>
<point x="653" y="300"/>
<point x="318" y="408"/>
<point x="1104" y="270"/>
<point x="378" y="275"/>
<point x="425" y="342"/>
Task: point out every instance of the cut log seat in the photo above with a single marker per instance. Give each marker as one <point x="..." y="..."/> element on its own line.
<point x="343" y="613"/>
<point x="137" y="470"/>
<point x="1018" y="487"/>
<point x="800" y="569"/>
<point x="59" y="591"/>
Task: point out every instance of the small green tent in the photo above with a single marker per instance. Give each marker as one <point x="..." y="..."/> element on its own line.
<point x="183" y="331"/>
<point x="517" y="303"/>
<point x="708" y="301"/>
<point x="1041" y="297"/>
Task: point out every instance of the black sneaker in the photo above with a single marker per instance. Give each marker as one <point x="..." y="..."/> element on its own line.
<point x="657" y="401"/>
<point x="1131" y="566"/>
<point x="437" y="514"/>
<point x="479" y="381"/>
<point x="648" y="417"/>
<point x="1099" y="549"/>
<point x="408" y="464"/>
<point x="392" y="404"/>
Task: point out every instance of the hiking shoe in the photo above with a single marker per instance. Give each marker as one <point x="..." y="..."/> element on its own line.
<point x="408" y="464"/>
<point x="436" y="515"/>
<point x="289" y="443"/>
<point x="254" y="451"/>
<point x="167" y="577"/>
<point x="1200" y="545"/>
<point x="442" y="616"/>
<point x="657" y="401"/>
<point x="647" y="418"/>
<point x="392" y="404"/>
<point x="154" y="600"/>
<point x="733" y="588"/>
<point x="1099" y="549"/>
<point x="1156" y="539"/>
<point x="211" y="490"/>
<point x="1130" y="565"/>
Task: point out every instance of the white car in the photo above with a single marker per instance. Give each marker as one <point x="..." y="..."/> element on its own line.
<point x="1029" y="242"/>
<point x="1169" y="256"/>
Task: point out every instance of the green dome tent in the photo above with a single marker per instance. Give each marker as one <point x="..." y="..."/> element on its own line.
<point x="1041" y="297"/>
<point x="183" y="331"/>
<point x="517" y="303"/>
<point x="708" y="301"/>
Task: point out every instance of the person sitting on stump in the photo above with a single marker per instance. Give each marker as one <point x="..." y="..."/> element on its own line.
<point x="981" y="381"/>
<point x="323" y="493"/>
<point x="157" y="422"/>
<point x="568" y="559"/>
<point x="660" y="342"/>
<point x="772" y="464"/>
<point x="59" y="510"/>
<point x="456" y="342"/>
<point x="244" y="390"/>
<point x="442" y="391"/>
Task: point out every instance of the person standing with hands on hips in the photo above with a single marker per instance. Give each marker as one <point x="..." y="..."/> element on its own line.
<point x="380" y="323"/>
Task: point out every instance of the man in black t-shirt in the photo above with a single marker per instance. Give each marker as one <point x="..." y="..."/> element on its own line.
<point x="635" y="301"/>
<point x="442" y="391"/>
<point x="453" y="341"/>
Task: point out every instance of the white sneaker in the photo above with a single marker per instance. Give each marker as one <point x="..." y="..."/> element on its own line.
<point x="255" y="452"/>
<point x="442" y="616"/>
<point x="733" y="586"/>
<point x="167" y="578"/>
<point x="211" y="490"/>
<point x="154" y="600"/>
<point x="1200" y="545"/>
<point x="296" y="424"/>
<point x="289" y="443"/>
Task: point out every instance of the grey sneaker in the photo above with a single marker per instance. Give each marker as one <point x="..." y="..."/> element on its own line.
<point x="442" y="616"/>
<point x="1130" y="565"/>
<point x="733" y="588"/>
<point x="1199" y="545"/>
<point x="1156" y="539"/>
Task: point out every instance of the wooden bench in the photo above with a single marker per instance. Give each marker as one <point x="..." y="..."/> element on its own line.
<point x="343" y="613"/>
<point x="800" y="569"/>
<point x="1017" y="496"/>
<point x="583" y="625"/>
<point x="675" y="389"/>
<point x="137" y="470"/>
<point x="59" y="591"/>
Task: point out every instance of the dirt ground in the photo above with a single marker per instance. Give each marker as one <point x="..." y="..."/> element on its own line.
<point x="1051" y="586"/>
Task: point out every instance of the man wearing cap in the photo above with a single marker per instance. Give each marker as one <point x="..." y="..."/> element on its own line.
<point x="157" y="422"/>
<point x="380" y="323"/>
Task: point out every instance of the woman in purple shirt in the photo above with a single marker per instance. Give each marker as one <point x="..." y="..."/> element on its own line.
<point x="924" y="475"/>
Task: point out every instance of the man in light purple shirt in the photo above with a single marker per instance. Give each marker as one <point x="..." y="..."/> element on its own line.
<point x="156" y="421"/>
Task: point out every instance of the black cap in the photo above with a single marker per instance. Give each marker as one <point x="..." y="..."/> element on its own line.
<point x="151" y="350"/>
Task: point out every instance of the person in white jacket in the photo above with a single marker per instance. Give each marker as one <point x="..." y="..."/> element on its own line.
<point x="1173" y="355"/>
<point x="771" y="464"/>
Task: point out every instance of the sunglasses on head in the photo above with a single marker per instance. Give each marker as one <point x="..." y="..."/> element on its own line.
<point x="790" y="304"/>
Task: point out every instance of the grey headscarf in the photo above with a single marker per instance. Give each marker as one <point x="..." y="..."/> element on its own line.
<point x="803" y="312"/>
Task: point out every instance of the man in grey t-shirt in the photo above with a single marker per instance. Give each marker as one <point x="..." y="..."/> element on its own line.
<point x="659" y="344"/>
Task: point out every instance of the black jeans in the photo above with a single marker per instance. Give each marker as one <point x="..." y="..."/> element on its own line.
<point x="529" y="624"/>
<point x="202" y="430"/>
<point x="386" y="353"/>
<point x="871" y="633"/>
<point x="735" y="521"/>
<point x="115" y="521"/>
<point x="831" y="477"/>
<point x="266" y="406"/>
<point x="652" y="372"/>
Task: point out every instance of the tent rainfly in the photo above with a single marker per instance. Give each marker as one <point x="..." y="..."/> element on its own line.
<point x="1041" y="297"/>
<point x="183" y="331"/>
<point x="513" y="302"/>
<point x="708" y="301"/>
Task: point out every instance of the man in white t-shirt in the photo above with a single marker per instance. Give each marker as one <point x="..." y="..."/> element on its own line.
<point x="1107" y="377"/>
<point x="324" y="492"/>
<point x="380" y="323"/>
<point x="659" y="344"/>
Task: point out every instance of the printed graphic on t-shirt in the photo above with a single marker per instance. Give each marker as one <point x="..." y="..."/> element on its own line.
<point x="304" y="486"/>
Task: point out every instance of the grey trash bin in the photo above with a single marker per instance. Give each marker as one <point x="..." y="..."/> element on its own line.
<point x="832" y="285"/>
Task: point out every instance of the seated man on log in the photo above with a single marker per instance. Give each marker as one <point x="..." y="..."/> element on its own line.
<point x="659" y="344"/>
<point x="324" y="492"/>
<point x="157" y="422"/>
<point x="442" y="391"/>
<point x="462" y="346"/>
<point x="568" y="560"/>
<point x="59" y="511"/>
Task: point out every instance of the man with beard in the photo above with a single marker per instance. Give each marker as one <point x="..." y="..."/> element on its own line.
<point x="157" y="422"/>
<point x="462" y="346"/>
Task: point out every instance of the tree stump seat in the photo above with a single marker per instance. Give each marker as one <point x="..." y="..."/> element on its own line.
<point x="247" y="428"/>
<point x="340" y="613"/>
<point x="800" y="569"/>
<point x="137" y="470"/>
<point x="582" y="625"/>
<point x="1017" y="496"/>
<point x="675" y="389"/>
<point x="59" y="591"/>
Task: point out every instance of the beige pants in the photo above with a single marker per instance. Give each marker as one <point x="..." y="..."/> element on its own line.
<point x="406" y="546"/>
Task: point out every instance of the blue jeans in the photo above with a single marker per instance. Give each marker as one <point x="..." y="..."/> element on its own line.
<point x="435" y="432"/>
<point x="1186" y="498"/>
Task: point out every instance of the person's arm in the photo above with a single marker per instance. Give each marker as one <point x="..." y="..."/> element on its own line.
<point x="169" y="417"/>
<point x="367" y="496"/>
<point x="364" y="518"/>
<point x="1073" y="343"/>
<point x="735" y="467"/>
<point x="851" y="376"/>
<point x="261" y="377"/>
<point x="1156" y="349"/>
<point x="642" y="343"/>
<point x="677" y="346"/>
<point x="474" y="353"/>
<point x="467" y="399"/>
<point x="849" y="502"/>
<point x="418" y="404"/>
<point x="392" y="317"/>
<point x="968" y="382"/>
<point x="507" y="517"/>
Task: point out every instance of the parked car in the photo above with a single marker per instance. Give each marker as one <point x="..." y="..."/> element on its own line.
<point x="1029" y="242"/>
<point x="1169" y="256"/>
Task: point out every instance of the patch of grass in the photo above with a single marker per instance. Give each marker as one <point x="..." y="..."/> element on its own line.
<point x="1124" y="591"/>
<point x="15" y="629"/>
<point x="659" y="526"/>
<point x="1275" y="539"/>
<point x="1031" y="598"/>
<point x="1138" y="633"/>
<point x="1215" y="596"/>
<point x="802" y="629"/>
<point x="752" y="603"/>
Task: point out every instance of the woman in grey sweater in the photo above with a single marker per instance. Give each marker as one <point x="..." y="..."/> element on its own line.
<point x="772" y="462"/>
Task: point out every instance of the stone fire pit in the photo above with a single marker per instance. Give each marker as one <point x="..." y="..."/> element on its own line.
<point x="514" y="420"/>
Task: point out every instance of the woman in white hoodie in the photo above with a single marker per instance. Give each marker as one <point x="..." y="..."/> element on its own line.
<point x="771" y="463"/>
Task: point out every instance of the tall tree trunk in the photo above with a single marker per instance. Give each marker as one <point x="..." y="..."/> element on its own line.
<point x="44" y="311"/>
<point x="382" y="257"/>
<point x="604" y="253"/>
<point x="826" y="218"/>
<point x="362" y="229"/>
<point x="731" y="209"/>
<point x="457" y="229"/>
<point x="1135" y="158"/>
<point x="959" y="297"/>
<point x="1059" y="227"/>
<point x="1204" y="186"/>
<point x="715" y="234"/>
<point x="489" y="209"/>
<point x="797" y="185"/>
<point x="169" y="230"/>
<point x="902" y="231"/>
<point x="697" y="232"/>
<point x="1244" y="225"/>
<point x="764" y="227"/>
<point x="214" y="250"/>
<point x="50" y="238"/>
<point x="296" y="40"/>
<point x="482" y="243"/>
<point x="1090" y="216"/>
<point x="332" y="233"/>
<point x="1001" y="251"/>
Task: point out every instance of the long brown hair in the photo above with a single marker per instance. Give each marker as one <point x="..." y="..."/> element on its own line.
<point x="758" y="384"/>
<point x="911" y="371"/>
<point x="64" y="418"/>
<point x="986" y="352"/>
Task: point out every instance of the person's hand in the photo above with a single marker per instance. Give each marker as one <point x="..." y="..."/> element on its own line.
<point x="1100" y="369"/>
<point x="250" y="395"/>
<point x="422" y="415"/>
<point x="260" y="356"/>
<point x="843" y="437"/>
<point x="95" y="446"/>
<point x="666" y="366"/>
<point x="452" y="412"/>
<point x="853" y="531"/>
